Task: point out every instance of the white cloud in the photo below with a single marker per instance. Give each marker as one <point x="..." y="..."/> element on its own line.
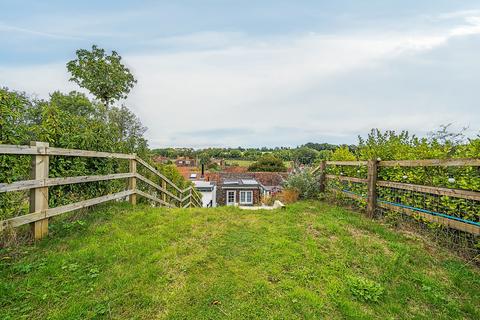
<point x="263" y="91"/>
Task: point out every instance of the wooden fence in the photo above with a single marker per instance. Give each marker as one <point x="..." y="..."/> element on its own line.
<point x="40" y="181"/>
<point x="372" y="184"/>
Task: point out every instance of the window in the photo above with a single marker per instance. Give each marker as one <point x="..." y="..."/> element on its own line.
<point x="246" y="197"/>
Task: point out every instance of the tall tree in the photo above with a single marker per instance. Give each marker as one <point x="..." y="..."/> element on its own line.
<point x="102" y="74"/>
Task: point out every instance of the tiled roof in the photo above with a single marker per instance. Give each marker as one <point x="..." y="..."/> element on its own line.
<point x="264" y="178"/>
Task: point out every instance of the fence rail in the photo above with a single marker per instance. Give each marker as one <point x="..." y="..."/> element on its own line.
<point x="40" y="181"/>
<point x="372" y="185"/>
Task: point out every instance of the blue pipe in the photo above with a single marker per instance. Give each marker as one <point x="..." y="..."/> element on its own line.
<point x="420" y="210"/>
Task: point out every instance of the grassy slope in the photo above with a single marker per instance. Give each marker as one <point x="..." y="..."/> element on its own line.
<point x="225" y="263"/>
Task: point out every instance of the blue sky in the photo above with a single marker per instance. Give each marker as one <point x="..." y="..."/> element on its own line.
<point x="255" y="73"/>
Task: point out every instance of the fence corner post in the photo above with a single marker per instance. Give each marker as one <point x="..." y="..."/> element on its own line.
<point x="321" y="179"/>
<point x="191" y="202"/>
<point x="132" y="181"/>
<point x="372" y="187"/>
<point x="39" y="196"/>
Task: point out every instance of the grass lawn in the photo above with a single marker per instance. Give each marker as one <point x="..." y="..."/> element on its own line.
<point x="311" y="261"/>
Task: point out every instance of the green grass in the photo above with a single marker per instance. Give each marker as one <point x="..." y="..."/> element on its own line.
<point x="310" y="261"/>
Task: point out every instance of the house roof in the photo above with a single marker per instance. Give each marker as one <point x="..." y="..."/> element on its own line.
<point x="229" y="183"/>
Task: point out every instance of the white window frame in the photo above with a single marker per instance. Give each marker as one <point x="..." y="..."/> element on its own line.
<point x="243" y="194"/>
<point x="234" y="197"/>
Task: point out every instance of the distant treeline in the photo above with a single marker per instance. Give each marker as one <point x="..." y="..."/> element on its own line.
<point x="309" y="150"/>
<point x="389" y="144"/>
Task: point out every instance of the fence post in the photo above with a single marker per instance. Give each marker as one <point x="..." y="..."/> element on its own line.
<point x="39" y="196"/>
<point x="321" y="179"/>
<point x="372" y="187"/>
<point x="132" y="182"/>
<point x="164" y="186"/>
<point x="191" y="203"/>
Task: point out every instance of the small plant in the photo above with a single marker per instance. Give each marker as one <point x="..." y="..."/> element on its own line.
<point x="365" y="289"/>
<point x="288" y="196"/>
<point x="305" y="184"/>
<point x="268" y="200"/>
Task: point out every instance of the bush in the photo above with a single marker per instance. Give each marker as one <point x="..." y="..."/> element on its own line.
<point x="288" y="196"/>
<point x="305" y="184"/>
<point x="268" y="163"/>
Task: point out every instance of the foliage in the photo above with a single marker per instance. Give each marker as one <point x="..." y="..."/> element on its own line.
<point x="268" y="163"/>
<point x="342" y="154"/>
<point x="305" y="155"/>
<point x="225" y="263"/>
<point x="102" y="74"/>
<point x="66" y="121"/>
<point x="305" y="184"/>
<point x="390" y="145"/>
<point x="288" y="196"/>
<point x="365" y="289"/>
<point x="171" y="172"/>
<point x="204" y="158"/>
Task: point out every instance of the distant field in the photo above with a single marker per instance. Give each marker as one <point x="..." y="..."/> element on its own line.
<point x="246" y="163"/>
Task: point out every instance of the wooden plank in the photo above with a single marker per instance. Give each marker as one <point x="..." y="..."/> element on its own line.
<point x="20" y="150"/>
<point x="372" y="187"/>
<point x="152" y="169"/>
<point x="88" y="153"/>
<point x="36" y="216"/>
<point x="344" y="178"/>
<point x="187" y="205"/>
<point x="164" y="189"/>
<point x="430" y="163"/>
<point x="39" y="196"/>
<point x="148" y="196"/>
<point x="156" y="186"/>
<point x="188" y="196"/>
<point x="87" y="203"/>
<point x="459" y="225"/>
<point x="23" y="219"/>
<point x="348" y="194"/>
<point x="34" y="150"/>
<point x="29" y="184"/>
<point x="456" y="193"/>
<point x="347" y="163"/>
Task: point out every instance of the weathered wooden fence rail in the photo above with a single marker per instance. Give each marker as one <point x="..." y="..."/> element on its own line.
<point x="40" y="181"/>
<point x="372" y="184"/>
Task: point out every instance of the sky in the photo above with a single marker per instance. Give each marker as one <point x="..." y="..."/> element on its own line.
<point x="262" y="73"/>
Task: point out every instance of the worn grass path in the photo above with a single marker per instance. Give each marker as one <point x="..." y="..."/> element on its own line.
<point x="311" y="261"/>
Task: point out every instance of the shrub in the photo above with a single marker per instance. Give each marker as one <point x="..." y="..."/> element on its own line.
<point x="288" y="196"/>
<point x="268" y="163"/>
<point x="305" y="184"/>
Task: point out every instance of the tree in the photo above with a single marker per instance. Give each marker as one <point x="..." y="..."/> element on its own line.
<point x="268" y="163"/>
<point x="305" y="155"/>
<point x="101" y="74"/>
<point x="204" y="158"/>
